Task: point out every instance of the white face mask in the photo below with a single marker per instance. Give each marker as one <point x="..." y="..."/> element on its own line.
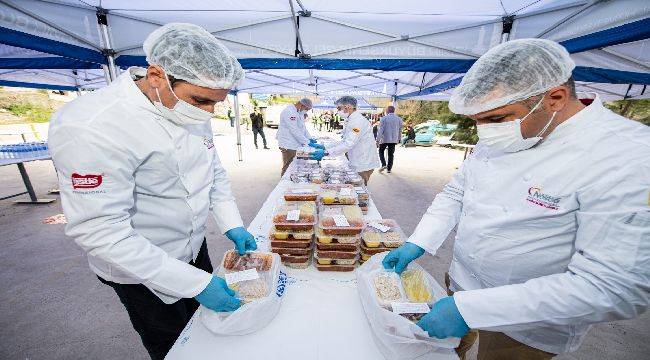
<point x="183" y="113"/>
<point x="507" y="136"/>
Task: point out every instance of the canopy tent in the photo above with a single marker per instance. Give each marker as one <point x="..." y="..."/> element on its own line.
<point x="329" y="103"/>
<point x="419" y="49"/>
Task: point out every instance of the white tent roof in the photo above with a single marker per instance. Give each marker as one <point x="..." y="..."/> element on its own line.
<point x="364" y="48"/>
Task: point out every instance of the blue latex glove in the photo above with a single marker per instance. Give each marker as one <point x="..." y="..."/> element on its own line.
<point x="317" y="155"/>
<point x="317" y="146"/>
<point x="218" y="296"/>
<point x="402" y="256"/>
<point x="444" y="320"/>
<point x="244" y="241"/>
<point x="312" y="141"/>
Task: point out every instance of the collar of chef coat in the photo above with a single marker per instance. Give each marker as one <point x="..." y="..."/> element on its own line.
<point x="575" y="122"/>
<point x="134" y="95"/>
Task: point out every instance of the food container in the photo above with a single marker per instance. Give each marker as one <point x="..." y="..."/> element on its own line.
<point x="301" y="192"/>
<point x="294" y="215"/>
<point x="337" y="247"/>
<point x="388" y="288"/>
<point x="326" y="261"/>
<point x="354" y="179"/>
<point x="299" y="244"/>
<point x="259" y="261"/>
<point x="323" y="238"/>
<point x="316" y="177"/>
<point x="383" y="232"/>
<point x="417" y="287"/>
<point x="251" y="290"/>
<point x="338" y="255"/>
<point x="291" y="235"/>
<point x="334" y="267"/>
<point x="337" y="194"/>
<point x="299" y="177"/>
<point x="295" y="260"/>
<point x="362" y="193"/>
<point x="341" y="220"/>
<point x="304" y="152"/>
<point x="291" y="251"/>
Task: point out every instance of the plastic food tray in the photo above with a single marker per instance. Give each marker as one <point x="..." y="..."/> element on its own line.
<point x="306" y="218"/>
<point x="323" y="260"/>
<point x="337" y="247"/>
<point x="303" y="192"/>
<point x="339" y="255"/>
<point x="291" y="235"/>
<point x="388" y="288"/>
<point x="337" y="268"/>
<point x="362" y="193"/>
<point x="323" y="238"/>
<point x="291" y="251"/>
<point x="304" y="152"/>
<point x="298" y="244"/>
<point x="417" y="287"/>
<point x="259" y="261"/>
<point x="392" y="238"/>
<point x="352" y="215"/>
<point x="332" y="194"/>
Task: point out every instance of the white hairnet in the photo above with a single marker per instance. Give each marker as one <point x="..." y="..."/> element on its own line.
<point x="306" y="102"/>
<point x="188" y="52"/>
<point x="511" y="72"/>
<point x="347" y="100"/>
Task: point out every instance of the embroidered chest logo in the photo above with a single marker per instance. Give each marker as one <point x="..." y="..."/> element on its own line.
<point x="209" y="143"/>
<point x="537" y="197"/>
<point x="89" y="181"/>
<point x="356" y="130"/>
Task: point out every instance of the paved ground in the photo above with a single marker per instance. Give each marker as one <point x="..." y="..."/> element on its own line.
<point x="53" y="307"/>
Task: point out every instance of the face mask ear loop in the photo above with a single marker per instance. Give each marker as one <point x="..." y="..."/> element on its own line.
<point x="532" y="110"/>
<point x="547" y="125"/>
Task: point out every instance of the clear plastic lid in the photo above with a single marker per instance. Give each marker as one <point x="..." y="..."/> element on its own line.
<point x="417" y="287"/>
<point x="323" y="238"/>
<point x="304" y="152"/>
<point x="299" y="215"/>
<point x="354" y="179"/>
<point x="341" y="219"/>
<point x="383" y="232"/>
<point x="338" y="194"/>
<point x="301" y="234"/>
<point x="301" y="192"/>
<point x="388" y="288"/>
<point x="233" y="262"/>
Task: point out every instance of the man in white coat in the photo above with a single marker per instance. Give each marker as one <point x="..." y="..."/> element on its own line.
<point x="358" y="141"/>
<point x="139" y="175"/>
<point x="552" y="209"/>
<point x="292" y="132"/>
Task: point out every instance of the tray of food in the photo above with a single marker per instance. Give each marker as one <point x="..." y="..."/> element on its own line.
<point x="291" y="251"/>
<point x="296" y="261"/>
<point x="251" y="290"/>
<point x="337" y="247"/>
<point x="323" y="238"/>
<point x="291" y="235"/>
<point x="383" y="233"/>
<point x="341" y="220"/>
<point x="259" y="261"/>
<point x="337" y="194"/>
<point x="354" y="179"/>
<point x="301" y="192"/>
<point x="304" y="152"/>
<point x="388" y="288"/>
<point x="294" y="215"/>
<point x="417" y="286"/>
<point x="335" y="267"/>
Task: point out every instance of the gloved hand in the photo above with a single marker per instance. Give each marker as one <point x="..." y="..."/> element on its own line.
<point x="312" y="141"/>
<point x="444" y="320"/>
<point x="402" y="256"/>
<point x="317" y="155"/>
<point x="317" y="146"/>
<point x="218" y="296"/>
<point x="244" y="241"/>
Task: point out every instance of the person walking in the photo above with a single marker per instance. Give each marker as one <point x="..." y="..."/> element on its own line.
<point x="257" y="124"/>
<point x="388" y="135"/>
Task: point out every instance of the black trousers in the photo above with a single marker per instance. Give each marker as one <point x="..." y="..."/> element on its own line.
<point x="158" y="324"/>
<point x="261" y="132"/>
<point x="391" y="153"/>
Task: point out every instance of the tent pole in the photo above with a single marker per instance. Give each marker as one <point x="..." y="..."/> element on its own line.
<point x="102" y="20"/>
<point x="507" y="22"/>
<point x="238" y="125"/>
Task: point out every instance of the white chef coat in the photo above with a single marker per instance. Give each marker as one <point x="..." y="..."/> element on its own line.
<point x="553" y="238"/>
<point x="137" y="189"/>
<point x="358" y="142"/>
<point x="292" y="132"/>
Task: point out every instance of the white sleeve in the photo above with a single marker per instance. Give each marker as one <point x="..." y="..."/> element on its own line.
<point x="222" y="202"/>
<point x="355" y="130"/>
<point x="608" y="277"/>
<point x="443" y="214"/>
<point x="99" y="219"/>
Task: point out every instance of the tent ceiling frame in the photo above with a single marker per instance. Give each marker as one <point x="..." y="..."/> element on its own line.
<point x="50" y="24"/>
<point x="348" y="86"/>
<point x="567" y="18"/>
<point x="387" y="79"/>
<point x="625" y="57"/>
<point x="296" y="30"/>
<point x="275" y="84"/>
<point x="394" y="37"/>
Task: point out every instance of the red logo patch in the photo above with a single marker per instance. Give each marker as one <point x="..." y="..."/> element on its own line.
<point x="89" y="181"/>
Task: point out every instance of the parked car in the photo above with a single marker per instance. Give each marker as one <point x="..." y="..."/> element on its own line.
<point x="428" y="134"/>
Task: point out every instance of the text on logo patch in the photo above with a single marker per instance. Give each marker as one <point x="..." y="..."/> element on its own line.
<point x="88" y="181"/>
<point x="537" y="197"/>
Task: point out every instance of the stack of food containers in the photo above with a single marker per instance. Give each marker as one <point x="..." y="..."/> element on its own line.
<point x="292" y="232"/>
<point x="256" y="287"/>
<point x="363" y="198"/>
<point x="379" y="236"/>
<point x="412" y="288"/>
<point x="338" y="237"/>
